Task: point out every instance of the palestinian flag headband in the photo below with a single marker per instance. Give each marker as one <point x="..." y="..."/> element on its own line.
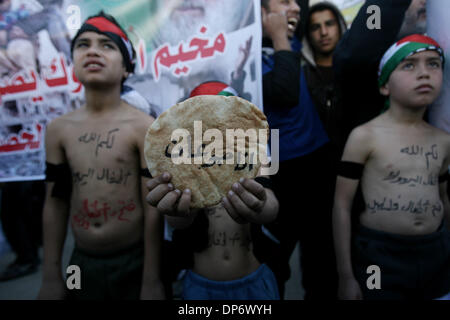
<point x="213" y="88"/>
<point x="403" y="49"/>
<point x="102" y="25"/>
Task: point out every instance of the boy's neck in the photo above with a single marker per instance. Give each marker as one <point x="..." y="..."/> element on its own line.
<point x="99" y="100"/>
<point x="404" y="115"/>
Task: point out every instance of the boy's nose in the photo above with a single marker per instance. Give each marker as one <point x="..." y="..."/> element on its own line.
<point x="422" y="71"/>
<point x="92" y="51"/>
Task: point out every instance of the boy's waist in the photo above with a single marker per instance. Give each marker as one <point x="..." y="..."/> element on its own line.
<point x="402" y="239"/>
<point x="225" y="263"/>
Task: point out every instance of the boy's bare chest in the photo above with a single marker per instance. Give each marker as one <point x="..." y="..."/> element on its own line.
<point x="223" y="231"/>
<point x="406" y="161"/>
<point x="103" y="152"/>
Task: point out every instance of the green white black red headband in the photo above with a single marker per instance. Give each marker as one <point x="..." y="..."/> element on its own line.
<point x="402" y="49"/>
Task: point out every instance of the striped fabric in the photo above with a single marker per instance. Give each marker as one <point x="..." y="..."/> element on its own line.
<point x="213" y="88"/>
<point x="403" y="49"/>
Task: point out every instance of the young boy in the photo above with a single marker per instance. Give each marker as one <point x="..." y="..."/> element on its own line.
<point x="403" y="165"/>
<point x="95" y="155"/>
<point x="224" y="266"/>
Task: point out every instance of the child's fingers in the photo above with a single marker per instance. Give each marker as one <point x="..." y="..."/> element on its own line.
<point x="167" y="204"/>
<point x="248" y="199"/>
<point x="254" y="187"/>
<point x="154" y="182"/>
<point x="158" y="193"/>
<point x="231" y="211"/>
<point x="184" y="203"/>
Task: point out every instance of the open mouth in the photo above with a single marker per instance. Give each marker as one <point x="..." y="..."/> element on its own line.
<point x="422" y="12"/>
<point x="93" y="65"/>
<point x="292" y="24"/>
<point x="190" y="9"/>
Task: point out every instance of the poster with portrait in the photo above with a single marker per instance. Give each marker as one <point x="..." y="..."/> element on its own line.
<point x="179" y="44"/>
<point x="36" y="82"/>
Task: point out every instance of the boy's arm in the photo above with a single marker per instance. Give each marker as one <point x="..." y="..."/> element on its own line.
<point x="445" y="201"/>
<point x="152" y="287"/>
<point x="443" y="185"/>
<point x="356" y="151"/>
<point x="55" y="219"/>
<point x="281" y="84"/>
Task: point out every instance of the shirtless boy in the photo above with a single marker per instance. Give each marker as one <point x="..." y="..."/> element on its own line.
<point x="225" y="267"/>
<point x="402" y="163"/>
<point x="95" y="155"/>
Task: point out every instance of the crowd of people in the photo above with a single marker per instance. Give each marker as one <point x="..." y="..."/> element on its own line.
<point x="362" y="177"/>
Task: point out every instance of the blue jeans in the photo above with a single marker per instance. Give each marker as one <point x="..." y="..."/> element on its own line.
<point x="259" y="285"/>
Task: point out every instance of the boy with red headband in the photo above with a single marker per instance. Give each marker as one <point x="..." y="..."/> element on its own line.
<point x="95" y="179"/>
<point x="401" y="248"/>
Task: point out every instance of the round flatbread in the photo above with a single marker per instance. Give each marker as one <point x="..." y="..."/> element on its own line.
<point x="190" y="142"/>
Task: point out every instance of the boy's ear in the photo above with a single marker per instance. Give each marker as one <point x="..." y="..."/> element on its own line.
<point x="384" y="89"/>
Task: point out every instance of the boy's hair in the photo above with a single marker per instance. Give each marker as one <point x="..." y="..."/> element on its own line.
<point x="106" y="24"/>
<point x="402" y="49"/>
<point x="323" y="6"/>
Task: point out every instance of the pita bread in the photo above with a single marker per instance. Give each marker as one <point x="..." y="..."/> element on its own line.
<point x="209" y="182"/>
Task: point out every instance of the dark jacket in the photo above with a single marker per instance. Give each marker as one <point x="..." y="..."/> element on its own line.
<point x="324" y="89"/>
<point x="288" y="104"/>
<point x="357" y="56"/>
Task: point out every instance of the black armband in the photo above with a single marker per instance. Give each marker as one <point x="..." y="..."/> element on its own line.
<point x="61" y="175"/>
<point x="265" y="182"/>
<point x="351" y="170"/>
<point x="146" y="173"/>
<point x="444" y="177"/>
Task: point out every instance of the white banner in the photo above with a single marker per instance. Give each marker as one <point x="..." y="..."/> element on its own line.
<point x="179" y="45"/>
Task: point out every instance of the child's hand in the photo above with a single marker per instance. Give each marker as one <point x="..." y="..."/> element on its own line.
<point x="245" y="201"/>
<point x="164" y="196"/>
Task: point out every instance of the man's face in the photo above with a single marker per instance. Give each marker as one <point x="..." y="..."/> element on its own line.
<point x="97" y="60"/>
<point x="288" y="8"/>
<point x="415" y="20"/>
<point x="186" y="17"/>
<point x="416" y="81"/>
<point x="324" y="32"/>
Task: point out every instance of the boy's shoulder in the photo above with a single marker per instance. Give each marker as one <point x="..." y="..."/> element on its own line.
<point x="60" y="122"/>
<point x="137" y="116"/>
<point x="439" y="132"/>
<point x="365" y="132"/>
<point x="362" y="142"/>
<point x="440" y="136"/>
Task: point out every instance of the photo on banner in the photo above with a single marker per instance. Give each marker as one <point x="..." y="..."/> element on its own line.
<point x="36" y="82"/>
